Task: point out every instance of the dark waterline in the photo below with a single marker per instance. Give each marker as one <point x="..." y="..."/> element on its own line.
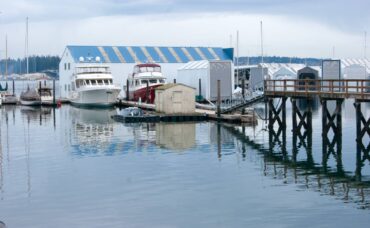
<point x="78" y="168"/>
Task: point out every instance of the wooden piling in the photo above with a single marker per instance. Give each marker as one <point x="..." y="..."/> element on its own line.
<point x="13" y="87"/>
<point x="174" y="80"/>
<point x="218" y="98"/>
<point x="54" y="103"/>
<point x="200" y="87"/>
<point x="127" y="90"/>
<point x="147" y="92"/>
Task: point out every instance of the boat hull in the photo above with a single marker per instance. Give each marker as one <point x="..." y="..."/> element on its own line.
<point x="30" y="103"/>
<point x="140" y="94"/>
<point x="104" y="97"/>
<point x="9" y="100"/>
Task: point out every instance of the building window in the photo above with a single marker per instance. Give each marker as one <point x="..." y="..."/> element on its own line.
<point x="65" y="66"/>
<point x="69" y="66"/>
<point x="65" y="87"/>
<point x="69" y="87"/>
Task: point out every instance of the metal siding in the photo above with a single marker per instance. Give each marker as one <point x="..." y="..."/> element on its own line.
<point x="213" y="53"/>
<point x="221" y="71"/>
<point x="155" y="56"/>
<point x="193" y="53"/>
<point x="104" y="54"/>
<point x="111" y="54"/>
<point x="84" y="51"/>
<point x="168" y="55"/>
<point x="147" y="55"/>
<point x="161" y="55"/>
<point x="126" y="54"/>
<point x="206" y="53"/>
<point x="140" y="55"/>
<point x="181" y="54"/>
<point x="119" y="55"/>
<point x="221" y="54"/>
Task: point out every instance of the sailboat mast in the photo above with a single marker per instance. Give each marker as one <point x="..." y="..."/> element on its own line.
<point x="27" y="44"/>
<point x="6" y="57"/>
<point x="261" y="43"/>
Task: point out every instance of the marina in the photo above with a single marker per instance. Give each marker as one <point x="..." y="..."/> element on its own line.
<point x="173" y="165"/>
<point x="184" y="114"/>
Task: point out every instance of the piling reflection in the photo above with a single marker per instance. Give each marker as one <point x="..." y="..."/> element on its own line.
<point x="347" y="186"/>
<point x="175" y="136"/>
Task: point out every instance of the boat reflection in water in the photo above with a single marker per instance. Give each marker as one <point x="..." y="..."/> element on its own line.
<point x="37" y="113"/>
<point x="175" y="136"/>
<point x="91" y="131"/>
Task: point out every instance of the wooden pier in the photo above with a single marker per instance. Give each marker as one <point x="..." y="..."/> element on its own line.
<point x="326" y="91"/>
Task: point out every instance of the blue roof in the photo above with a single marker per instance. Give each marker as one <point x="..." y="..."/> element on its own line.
<point x="142" y="54"/>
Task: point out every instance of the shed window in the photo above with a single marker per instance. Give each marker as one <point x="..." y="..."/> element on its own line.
<point x="65" y="66"/>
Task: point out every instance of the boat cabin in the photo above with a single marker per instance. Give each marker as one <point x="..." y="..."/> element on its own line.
<point x="147" y="67"/>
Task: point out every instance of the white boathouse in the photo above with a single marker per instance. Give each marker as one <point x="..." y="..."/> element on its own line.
<point x="122" y="60"/>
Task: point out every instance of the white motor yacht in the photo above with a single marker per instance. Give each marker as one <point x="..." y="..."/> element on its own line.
<point x="92" y="85"/>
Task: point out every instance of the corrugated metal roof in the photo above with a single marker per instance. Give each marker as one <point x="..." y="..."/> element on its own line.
<point x="203" y="64"/>
<point x="143" y="54"/>
<point x="361" y="62"/>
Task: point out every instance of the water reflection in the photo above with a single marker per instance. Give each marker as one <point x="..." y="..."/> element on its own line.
<point x="345" y="185"/>
<point x="40" y="114"/>
<point x="91" y="131"/>
<point x="175" y="136"/>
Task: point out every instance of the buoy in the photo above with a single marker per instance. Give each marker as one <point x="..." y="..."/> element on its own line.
<point x="59" y="103"/>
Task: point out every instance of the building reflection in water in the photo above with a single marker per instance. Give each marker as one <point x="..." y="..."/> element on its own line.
<point x="175" y="136"/>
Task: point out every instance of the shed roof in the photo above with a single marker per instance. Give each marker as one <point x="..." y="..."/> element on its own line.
<point x="170" y="85"/>
<point x="145" y="54"/>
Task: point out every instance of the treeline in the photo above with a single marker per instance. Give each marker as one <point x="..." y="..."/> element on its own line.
<point x="35" y="64"/>
<point x="278" y="59"/>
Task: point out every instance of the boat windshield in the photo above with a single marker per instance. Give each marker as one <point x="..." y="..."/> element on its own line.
<point x="92" y="70"/>
<point x="150" y="69"/>
<point x="152" y="81"/>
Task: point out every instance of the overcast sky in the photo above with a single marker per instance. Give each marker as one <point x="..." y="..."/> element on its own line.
<point x="304" y="28"/>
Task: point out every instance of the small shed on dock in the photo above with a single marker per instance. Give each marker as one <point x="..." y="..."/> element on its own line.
<point x="175" y="98"/>
<point x="308" y="73"/>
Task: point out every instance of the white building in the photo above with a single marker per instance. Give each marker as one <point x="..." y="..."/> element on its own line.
<point x="122" y="60"/>
<point x="355" y="68"/>
<point x="205" y="74"/>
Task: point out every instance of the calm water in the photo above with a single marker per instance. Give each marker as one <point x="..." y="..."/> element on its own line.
<point x="78" y="168"/>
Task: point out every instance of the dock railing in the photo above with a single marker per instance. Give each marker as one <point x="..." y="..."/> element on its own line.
<point x="330" y="88"/>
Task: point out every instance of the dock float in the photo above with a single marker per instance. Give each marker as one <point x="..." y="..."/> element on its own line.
<point x="160" y="118"/>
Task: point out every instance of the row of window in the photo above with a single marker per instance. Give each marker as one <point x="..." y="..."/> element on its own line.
<point x="93" y="82"/>
<point x="144" y="81"/>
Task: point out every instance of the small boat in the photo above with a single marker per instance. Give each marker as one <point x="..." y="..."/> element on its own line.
<point x="6" y="97"/>
<point x="9" y="99"/>
<point x="145" y="77"/>
<point x="46" y="95"/>
<point x="31" y="97"/>
<point x="92" y="86"/>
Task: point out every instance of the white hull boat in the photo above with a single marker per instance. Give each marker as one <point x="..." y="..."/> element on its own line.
<point x="99" y="97"/>
<point x="92" y="85"/>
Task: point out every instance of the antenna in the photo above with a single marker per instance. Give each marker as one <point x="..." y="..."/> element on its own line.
<point x="27" y="44"/>
<point x="365" y="44"/>
<point x="333" y="52"/>
<point x="237" y="57"/>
